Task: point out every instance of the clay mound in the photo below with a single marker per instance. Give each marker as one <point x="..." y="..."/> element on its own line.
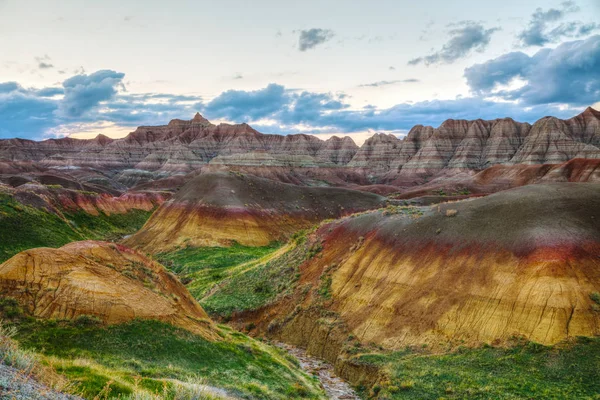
<point x="103" y="279"/>
<point x="519" y="262"/>
<point x="219" y="208"/>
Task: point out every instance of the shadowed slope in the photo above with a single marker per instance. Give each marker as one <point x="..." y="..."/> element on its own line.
<point x="218" y="208"/>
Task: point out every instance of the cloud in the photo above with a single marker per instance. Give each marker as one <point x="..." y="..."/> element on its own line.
<point x="466" y="36"/>
<point x="542" y="28"/>
<point x="44" y="62"/>
<point x="247" y="105"/>
<point x="560" y="82"/>
<point x="311" y="38"/>
<point x="387" y="83"/>
<point x="23" y="113"/>
<point x="567" y="74"/>
<point x="8" y="87"/>
<point x="84" y="92"/>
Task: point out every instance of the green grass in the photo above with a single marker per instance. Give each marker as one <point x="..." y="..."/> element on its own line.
<point x="150" y="352"/>
<point x="23" y="227"/>
<point x="525" y="371"/>
<point x="202" y="267"/>
<point x="254" y="287"/>
<point x="108" y="227"/>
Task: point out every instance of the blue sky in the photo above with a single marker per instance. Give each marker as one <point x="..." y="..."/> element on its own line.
<point x="326" y="67"/>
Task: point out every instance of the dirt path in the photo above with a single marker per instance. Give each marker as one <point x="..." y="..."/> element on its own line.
<point x="335" y="387"/>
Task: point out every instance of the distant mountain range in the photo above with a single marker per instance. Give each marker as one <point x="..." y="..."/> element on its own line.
<point x="184" y="146"/>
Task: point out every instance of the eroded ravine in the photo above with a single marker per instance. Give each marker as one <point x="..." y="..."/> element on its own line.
<point x="335" y="387"/>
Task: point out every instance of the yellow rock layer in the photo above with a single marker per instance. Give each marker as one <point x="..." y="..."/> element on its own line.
<point x="106" y="280"/>
<point x="402" y="297"/>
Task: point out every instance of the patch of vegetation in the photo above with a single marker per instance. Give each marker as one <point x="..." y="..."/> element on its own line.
<point x="462" y="192"/>
<point x="23" y="227"/>
<point x="411" y="211"/>
<point x="525" y="370"/>
<point x="150" y="356"/>
<point x="258" y="285"/>
<point x="201" y="268"/>
<point x="107" y="227"/>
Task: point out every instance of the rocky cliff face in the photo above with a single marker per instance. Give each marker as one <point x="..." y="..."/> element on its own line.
<point x="183" y="146"/>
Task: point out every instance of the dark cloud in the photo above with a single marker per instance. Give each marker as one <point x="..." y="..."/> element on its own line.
<point x="44" y="62"/>
<point x="387" y="83"/>
<point x="313" y="37"/>
<point x="465" y="37"/>
<point x="567" y="74"/>
<point x="84" y="92"/>
<point x="543" y="27"/>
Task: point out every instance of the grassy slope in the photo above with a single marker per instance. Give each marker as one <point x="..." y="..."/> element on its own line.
<point x="201" y="268"/>
<point x="23" y="227"/>
<point x="153" y="353"/>
<point x="232" y="279"/>
<point x="524" y="371"/>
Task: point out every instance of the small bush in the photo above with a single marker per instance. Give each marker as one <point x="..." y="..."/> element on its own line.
<point x="595" y="297"/>
<point x="451" y="213"/>
<point x="407" y="385"/>
<point x="87" y="321"/>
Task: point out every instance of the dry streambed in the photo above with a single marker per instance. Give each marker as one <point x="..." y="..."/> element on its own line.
<point x="335" y="387"/>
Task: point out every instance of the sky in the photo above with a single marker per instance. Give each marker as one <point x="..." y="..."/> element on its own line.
<point x="344" y="67"/>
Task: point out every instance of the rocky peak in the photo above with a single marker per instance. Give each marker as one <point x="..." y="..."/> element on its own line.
<point x="199" y="119"/>
<point x="102" y="140"/>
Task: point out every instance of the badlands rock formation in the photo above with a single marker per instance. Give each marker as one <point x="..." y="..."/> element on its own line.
<point x="219" y="208"/>
<point x="103" y="279"/>
<point x="183" y="146"/>
<point x="521" y="262"/>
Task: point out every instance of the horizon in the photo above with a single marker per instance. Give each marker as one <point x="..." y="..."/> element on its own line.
<point x="321" y="136"/>
<point x="385" y="70"/>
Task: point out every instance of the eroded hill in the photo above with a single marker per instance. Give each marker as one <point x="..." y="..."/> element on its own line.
<point x="521" y="262"/>
<point x="222" y="208"/>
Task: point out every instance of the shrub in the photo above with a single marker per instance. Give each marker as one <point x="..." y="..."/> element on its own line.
<point x="451" y="213"/>
<point x="406" y="385"/>
<point x="87" y="320"/>
<point x="595" y="297"/>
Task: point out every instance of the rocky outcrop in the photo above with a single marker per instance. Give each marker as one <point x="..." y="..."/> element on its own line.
<point x="102" y="279"/>
<point x="218" y="209"/>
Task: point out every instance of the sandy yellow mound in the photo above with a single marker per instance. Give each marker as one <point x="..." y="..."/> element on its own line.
<point x="103" y="279"/>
